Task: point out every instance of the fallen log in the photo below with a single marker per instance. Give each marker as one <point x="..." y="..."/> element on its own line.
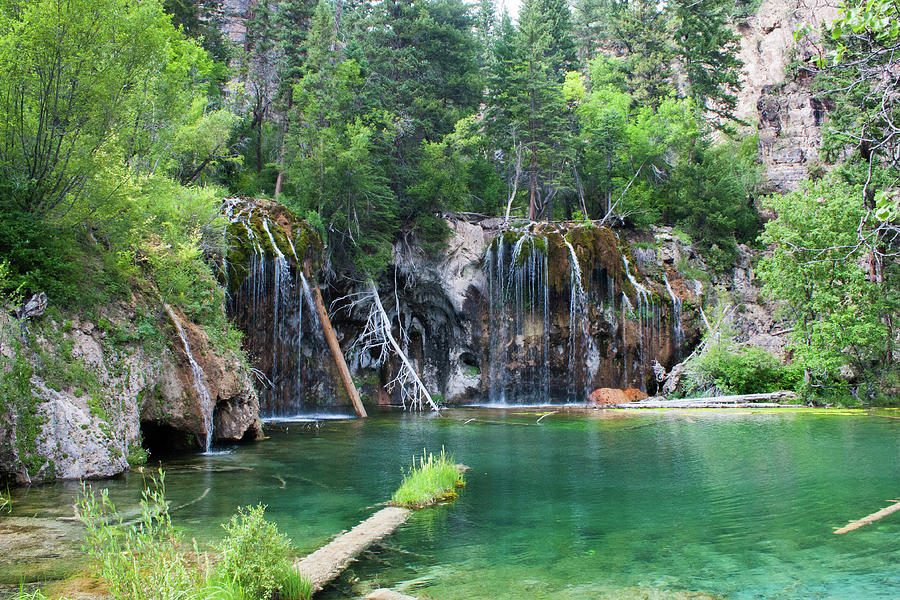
<point x="869" y="518"/>
<point x="386" y="594"/>
<point x="738" y="401"/>
<point x="335" y="348"/>
<point x="676" y="404"/>
<point x="330" y="560"/>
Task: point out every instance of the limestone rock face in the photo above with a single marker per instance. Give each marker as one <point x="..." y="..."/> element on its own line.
<point x="93" y="397"/>
<point x="788" y="117"/>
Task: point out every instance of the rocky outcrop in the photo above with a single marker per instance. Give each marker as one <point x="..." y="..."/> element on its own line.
<point x="84" y="394"/>
<point x="468" y="348"/>
<point x="775" y="100"/>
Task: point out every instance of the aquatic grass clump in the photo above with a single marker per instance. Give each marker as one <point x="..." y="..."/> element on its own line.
<point x="292" y="585"/>
<point x="434" y="479"/>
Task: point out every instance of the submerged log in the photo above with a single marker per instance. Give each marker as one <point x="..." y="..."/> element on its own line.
<point x="738" y="401"/>
<point x="336" y="352"/>
<point x="869" y="518"/>
<point x="386" y="594"/>
<point x="330" y="560"/>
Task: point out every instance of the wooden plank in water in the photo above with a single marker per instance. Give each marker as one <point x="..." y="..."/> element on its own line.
<point x="869" y="518"/>
<point x="330" y="560"/>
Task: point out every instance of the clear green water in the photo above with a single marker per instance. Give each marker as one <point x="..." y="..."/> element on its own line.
<point x="731" y="504"/>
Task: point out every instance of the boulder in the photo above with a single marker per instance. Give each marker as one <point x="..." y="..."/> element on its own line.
<point x="605" y="396"/>
<point x="634" y="395"/>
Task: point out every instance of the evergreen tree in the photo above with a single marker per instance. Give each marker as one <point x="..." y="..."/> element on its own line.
<point x="557" y="19"/>
<point x="339" y="168"/>
<point x="707" y="46"/>
<point x="532" y="109"/>
<point x="485" y="32"/>
<point x="638" y="33"/>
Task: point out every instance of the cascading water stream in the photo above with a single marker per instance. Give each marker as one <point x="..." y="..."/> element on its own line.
<point x="270" y="304"/>
<point x="578" y="314"/>
<point x="677" y="323"/>
<point x="283" y="294"/>
<point x="646" y="314"/>
<point x="206" y="402"/>
<point x="519" y="304"/>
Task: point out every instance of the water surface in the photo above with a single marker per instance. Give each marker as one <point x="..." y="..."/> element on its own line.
<point x="729" y="503"/>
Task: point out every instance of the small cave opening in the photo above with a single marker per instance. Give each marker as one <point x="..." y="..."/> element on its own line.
<point x="469" y="359"/>
<point x="162" y="440"/>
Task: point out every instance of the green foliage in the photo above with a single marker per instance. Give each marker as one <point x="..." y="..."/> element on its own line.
<point x="722" y="366"/>
<point x="743" y="371"/>
<point x="137" y="455"/>
<point x="131" y="107"/>
<point x="17" y="399"/>
<point x="707" y="45"/>
<point x="841" y="316"/>
<point x="148" y="559"/>
<point x="254" y="553"/>
<point x="138" y="562"/>
<point x="434" y="479"/>
<point x="293" y="586"/>
<point x="5" y="501"/>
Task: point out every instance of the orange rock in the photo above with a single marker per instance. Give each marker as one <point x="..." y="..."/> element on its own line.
<point x="604" y="396"/>
<point x="634" y="394"/>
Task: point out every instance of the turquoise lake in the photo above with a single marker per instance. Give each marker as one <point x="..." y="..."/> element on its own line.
<point x="649" y="505"/>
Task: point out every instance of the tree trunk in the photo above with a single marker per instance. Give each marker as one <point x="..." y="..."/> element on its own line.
<point x="336" y="352"/>
<point x="532" y="181"/>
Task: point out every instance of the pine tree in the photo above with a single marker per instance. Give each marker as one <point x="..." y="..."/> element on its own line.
<point x="707" y="49"/>
<point x="486" y="32"/>
<point x="532" y="107"/>
<point x="638" y="32"/>
<point x="557" y="19"/>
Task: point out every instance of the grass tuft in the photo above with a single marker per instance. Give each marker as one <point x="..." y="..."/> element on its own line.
<point x="432" y="480"/>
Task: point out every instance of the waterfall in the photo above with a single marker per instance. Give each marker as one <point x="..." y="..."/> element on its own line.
<point x="578" y="331"/>
<point x="648" y="316"/>
<point x="270" y="299"/>
<point x="677" y="324"/>
<point x="206" y="402"/>
<point x="519" y="305"/>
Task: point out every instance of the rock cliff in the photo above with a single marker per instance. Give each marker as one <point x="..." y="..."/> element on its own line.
<point x="775" y="98"/>
<point x="89" y="395"/>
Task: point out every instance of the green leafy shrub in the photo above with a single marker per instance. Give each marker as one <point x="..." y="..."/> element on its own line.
<point x="754" y="370"/>
<point x="143" y="562"/>
<point x="435" y="478"/>
<point x="147" y="560"/>
<point x="742" y="371"/>
<point x="254" y="553"/>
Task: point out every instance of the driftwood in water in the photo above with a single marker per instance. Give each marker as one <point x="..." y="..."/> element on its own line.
<point x="336" y="352"/>
<point x="386" y="594"/>
<point x="330" y="560"/>
<point x="739" y="401"/>
<point x="869" y="518"/>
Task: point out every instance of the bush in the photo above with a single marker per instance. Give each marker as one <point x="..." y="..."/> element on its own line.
<point x="255" y="553"/>
<point x="148" y="561"/>
<point x="294" y="586"/>
<point x="433" y="480"/>
<point x="743" y="371"/>
<point x="143" y="562"/>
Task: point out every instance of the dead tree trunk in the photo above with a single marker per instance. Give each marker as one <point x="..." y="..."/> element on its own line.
<point x="422" y="392"/>
<point x="335" y="348"/>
